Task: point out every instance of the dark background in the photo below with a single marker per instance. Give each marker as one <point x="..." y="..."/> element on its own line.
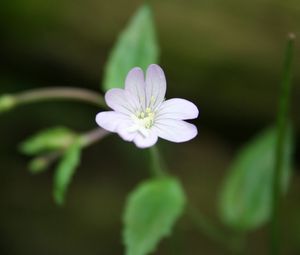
<point x="226" y="56"/>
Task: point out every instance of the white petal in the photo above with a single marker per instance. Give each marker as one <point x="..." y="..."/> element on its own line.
<point x="155" y="86"/>
<point x="175" y="130"/>
<point x="145" y="142"/>
<point x="135" y="85"/>
<point x="125" y="133"/>
<point x="177" y="108"/>
<point x="111" y="120"/>
<point x="121" y="101"/>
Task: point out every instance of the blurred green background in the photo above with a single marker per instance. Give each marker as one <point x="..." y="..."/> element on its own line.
<point x="226" y="56"/>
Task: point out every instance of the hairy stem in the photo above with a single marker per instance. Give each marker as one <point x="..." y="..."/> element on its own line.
<point x="282" y="122"/>
<point x="60" y="93"/>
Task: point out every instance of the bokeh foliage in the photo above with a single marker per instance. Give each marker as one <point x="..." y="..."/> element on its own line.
<point x="247" y="193"/>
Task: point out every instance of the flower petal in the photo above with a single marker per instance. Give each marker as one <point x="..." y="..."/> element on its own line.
<point x="175" y="130"/>
<point x="111" y="120"/>
<point x="125" y="133"/>
<point x="155" y="86"/>
<point x="177" y="108"/>
<point x="121" y="101"/>
<point x="145" y="142"/>
<point x="135" y="85"/>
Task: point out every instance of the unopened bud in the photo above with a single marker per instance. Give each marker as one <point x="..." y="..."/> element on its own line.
<point x="38" y="165"/>
<point x="7" y="102"/>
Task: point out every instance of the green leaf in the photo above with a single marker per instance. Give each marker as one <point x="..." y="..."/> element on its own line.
<point x="151" y="212"/>
<point x="247" y="191"/>
<point x="136" y="46"/>
<point x="48" y="140"/>
<point x="65" y="171"/>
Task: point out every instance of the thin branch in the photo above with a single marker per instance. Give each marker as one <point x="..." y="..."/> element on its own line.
<point x="93" y="136"/>
<point x="60" y="93"/>
<point x="232" y="242"/>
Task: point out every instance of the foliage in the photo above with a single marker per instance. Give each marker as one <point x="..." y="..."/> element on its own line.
<point x="136" y="46"/>
<point x="65" y="171"/>
<point x="151" y="211"/>
<point x="52" y="139"/>
<point x="246" y="194"/>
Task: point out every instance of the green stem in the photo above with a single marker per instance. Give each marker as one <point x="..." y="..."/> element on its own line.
<point x="157" y="166"/>
<point x="282" y="122"/>
<point x="60" y="93"/>
<point x="234" y="243"/>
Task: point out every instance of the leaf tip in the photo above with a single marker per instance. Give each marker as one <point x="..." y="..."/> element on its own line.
<point x="58" y="198"/>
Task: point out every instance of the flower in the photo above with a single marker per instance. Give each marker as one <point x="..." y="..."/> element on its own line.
<point x="141" y="114"/>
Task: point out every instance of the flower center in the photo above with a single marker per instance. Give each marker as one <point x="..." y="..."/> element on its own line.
<point x="145" y="119"/>
<point x="142" y="121"/>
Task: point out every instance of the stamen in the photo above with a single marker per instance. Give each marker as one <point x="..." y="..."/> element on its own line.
<point x="144" y="120"/>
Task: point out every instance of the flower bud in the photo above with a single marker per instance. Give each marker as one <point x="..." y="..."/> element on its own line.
<point x="38" y="165"/>
<point x="7" y="102"/>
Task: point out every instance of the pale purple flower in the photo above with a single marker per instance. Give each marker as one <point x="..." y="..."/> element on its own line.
<point x="141" y="114"/>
